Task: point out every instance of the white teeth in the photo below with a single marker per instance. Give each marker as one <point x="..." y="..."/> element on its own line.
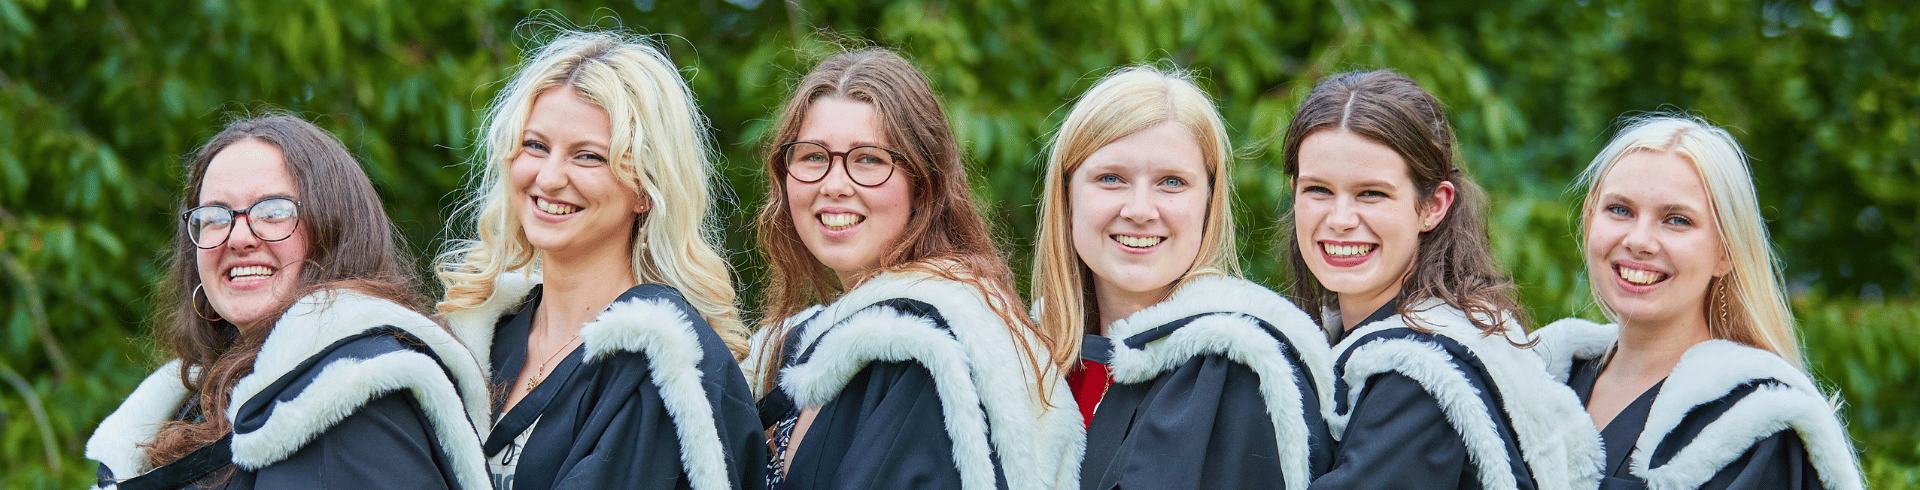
<point x="249" y="271"/>
<point x="1345" y="251"/>
<point x="555" y="208"/>
<point x="1138" y="241"/>
<point x="840" y="221"/>
<point x="1641" y="277"/>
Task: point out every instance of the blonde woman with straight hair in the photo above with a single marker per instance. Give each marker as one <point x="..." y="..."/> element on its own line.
<point x="1699" y="381"/>
<point x="1186" y="375"/>
<point x="591" y="288"/>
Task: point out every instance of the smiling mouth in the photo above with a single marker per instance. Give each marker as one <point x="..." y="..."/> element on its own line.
<point x="551" y="207"/>
<point x="1639" y="277"/>
<point x="1347" y="251"/>
<point x="1130" y="241"/>
<point x="249" y="272"/>
<point x="840" y="221"/>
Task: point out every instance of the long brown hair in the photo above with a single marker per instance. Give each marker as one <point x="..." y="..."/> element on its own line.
<point x="946" y="236"/>
<point x="352" y="245"/>
<point x="1453" y="263"/>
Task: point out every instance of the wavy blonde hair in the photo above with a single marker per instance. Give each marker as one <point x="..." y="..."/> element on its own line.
<point x="1755" y="300"/>
<point x="660" y="150"/>
<point x="1124" y="102"/>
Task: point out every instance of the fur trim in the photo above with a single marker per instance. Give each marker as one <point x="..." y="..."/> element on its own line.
<point x="662" y="332"/>
<point x="975" y="368"/>
<point x="474" y="326"/>
<point x="761" y="346"/>
<point x="117" y="442"/>
<point x="1238" y="337"/>
<point x="344" y="385"/>
<point x="1707" y="372"/>
<point x="1563" y="341"/>
<point x="1557" y="440"/>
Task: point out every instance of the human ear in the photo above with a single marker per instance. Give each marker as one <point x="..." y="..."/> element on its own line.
<point x="1436" y="207"/>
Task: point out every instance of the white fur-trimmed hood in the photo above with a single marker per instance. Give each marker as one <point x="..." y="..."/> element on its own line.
<point x="1707" y="372"/>
<point x="977" y="366"/>
<point x="666" y="334"/>
<point x="1556" y="437"/>
<point x="336" y="391"/>
<point x="1236" y="335"/>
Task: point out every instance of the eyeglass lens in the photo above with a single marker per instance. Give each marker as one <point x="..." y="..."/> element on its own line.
<point x="867" y="165"/>
<point x="271" y="219"/>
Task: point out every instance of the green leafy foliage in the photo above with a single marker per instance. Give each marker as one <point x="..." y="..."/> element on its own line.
<point x="100" y="100"/>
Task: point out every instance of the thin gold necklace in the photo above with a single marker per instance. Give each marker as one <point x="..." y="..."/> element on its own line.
<point x="542" y="371"/>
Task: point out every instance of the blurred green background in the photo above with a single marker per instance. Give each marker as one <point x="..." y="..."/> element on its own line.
<point x="101" y="99"/>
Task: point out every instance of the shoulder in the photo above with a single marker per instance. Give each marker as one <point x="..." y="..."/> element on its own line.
<point x="1569" y="339"/>
<point x="117" y="442"/>
<point x="654" y="320"/>
<point x="1728" y="397"/>
<point x="335" y="352"/>
<point x="1220" y="315"/>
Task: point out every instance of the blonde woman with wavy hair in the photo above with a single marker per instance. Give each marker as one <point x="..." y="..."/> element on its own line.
<point x="591" y="288"/>
<point x="1699" y="382"/>
<point x="1137" y="277"/>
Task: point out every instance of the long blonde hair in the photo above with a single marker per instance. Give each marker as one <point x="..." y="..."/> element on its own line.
<point x="1124" y="102"/>
<point x="660" y="150"/>
<point x="1753" y="297"/>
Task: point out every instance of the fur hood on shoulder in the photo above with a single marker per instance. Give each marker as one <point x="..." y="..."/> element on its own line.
<point x="337" y="390"/>
<point x="664" y="331"/>
<point x="1707" y="372"/>
<point x="1238" y="335"/>
<point x="976" y="366"/>
<point x="1557" y="438"/>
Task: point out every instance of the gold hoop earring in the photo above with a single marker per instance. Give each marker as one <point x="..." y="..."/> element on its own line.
<point x="195" y="304"/>
<point x="1724" y="316"/>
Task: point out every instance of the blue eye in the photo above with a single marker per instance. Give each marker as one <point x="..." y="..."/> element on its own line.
<point x="1679" y="221"/>
<point x="1173" y="182"/>
<point x="1107" y="179"/>
<point x="533" y="146"/>
<point x="1314" y="189"/>
<point x="591" y="158"/>
<point x="1618" y="210"/>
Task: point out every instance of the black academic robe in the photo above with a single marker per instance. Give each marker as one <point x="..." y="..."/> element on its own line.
<point x="1727" y="417"/>
<point x="918" y="385"/>
<point x="1216" y="387"/>
<point x="1449" y="408"/>
<point x="400" y="383"/>
<point x="651" y="399"/>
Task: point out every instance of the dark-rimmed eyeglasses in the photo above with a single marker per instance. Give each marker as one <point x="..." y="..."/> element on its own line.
<point x="867" y="165"/>
<point x="272" y="219"/>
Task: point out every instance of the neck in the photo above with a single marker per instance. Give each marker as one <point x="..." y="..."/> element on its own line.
<point x="1116" y="304"/>
<point x="575" y="291"/>
<point x="1357" y="307"/>
<point x="1650" y="349"/>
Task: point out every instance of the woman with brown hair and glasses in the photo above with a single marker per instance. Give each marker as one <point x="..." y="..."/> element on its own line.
<point x="303" y="360"/>
<point x="916" y="368"/>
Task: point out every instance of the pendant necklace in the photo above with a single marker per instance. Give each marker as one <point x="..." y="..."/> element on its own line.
<point x="542" y="371"/>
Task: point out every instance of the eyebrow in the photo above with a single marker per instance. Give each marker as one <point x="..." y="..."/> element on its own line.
<point x="577" y="144"/>
<point x="1664" y="209"/>
<point x="1364" y="184"/>
<point x="855" y="143"/>
<point x="223" y="202"/>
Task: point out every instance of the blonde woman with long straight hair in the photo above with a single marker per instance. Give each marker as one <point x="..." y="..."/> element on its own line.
<point x="1699" y="383"/>
<point x="1186" y="375"/>
<point x="591" y="288"/>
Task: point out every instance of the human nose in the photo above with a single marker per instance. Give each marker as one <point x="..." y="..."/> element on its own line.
<point x="552" y="175"/>
<point x="1343" y="217"/>
<point x="1640" y="239"/>
<point x="240" y="235"/>
<point x="1138" y="206"/>
<point x="837" y="183"/>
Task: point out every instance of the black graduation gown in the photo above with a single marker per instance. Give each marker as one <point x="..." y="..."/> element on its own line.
<point x="1203" y="424"/>
<point x="1397" y="435"/>
<point x="885" y="430"/>
<point x="385" y="440"/>
<point x="603" y="423"/>
<point x="1776" y="462"/>
<point x="409" y="457"/>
